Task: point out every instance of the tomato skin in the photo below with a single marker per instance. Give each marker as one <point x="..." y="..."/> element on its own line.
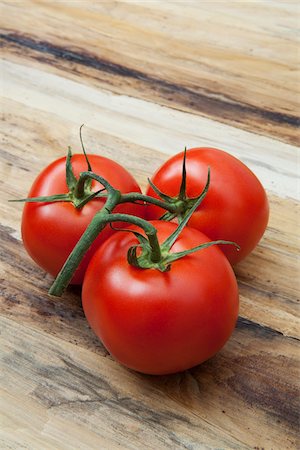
<point x="51" y="230"/>
<point x="236" y="206"/>
<point x="161" y="322"/>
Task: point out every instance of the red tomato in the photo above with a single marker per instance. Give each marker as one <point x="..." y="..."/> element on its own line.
<point x="51" y="230"/>
<point x="161" y="322"/>
<point x="235" y="207"/>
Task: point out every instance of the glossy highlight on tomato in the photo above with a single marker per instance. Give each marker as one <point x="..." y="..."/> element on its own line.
<point x="50" y="231"/>
<point x="161" y="322"/>
<point x="236" y="206"/>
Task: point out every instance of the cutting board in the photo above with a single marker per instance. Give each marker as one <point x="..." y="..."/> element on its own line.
<point x="147" y="79"/>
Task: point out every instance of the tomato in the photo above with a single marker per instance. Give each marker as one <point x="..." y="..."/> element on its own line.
<point x="51" y="230"/>
<point x="235" y="207"/>
<point x="161" y="322"/>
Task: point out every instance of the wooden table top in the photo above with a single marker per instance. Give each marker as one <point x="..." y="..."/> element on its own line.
<point x="148" y="78"/>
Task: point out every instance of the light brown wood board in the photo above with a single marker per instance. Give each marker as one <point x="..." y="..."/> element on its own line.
<point x="147" y="79"/>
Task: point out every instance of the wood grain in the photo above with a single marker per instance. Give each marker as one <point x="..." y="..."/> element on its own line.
<point x="62" y="380"/>
<point x="149" y="125"/>
<point x="127" y="48"/>
<point x="147" y="79"/>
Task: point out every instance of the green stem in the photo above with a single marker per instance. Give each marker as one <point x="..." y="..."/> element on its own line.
<point x="137" y="197"/>
<point x="97" y="224"/>
<point x="83" y="149"/>
<point x="84" y="176"/>
<point x="131" y="197"/>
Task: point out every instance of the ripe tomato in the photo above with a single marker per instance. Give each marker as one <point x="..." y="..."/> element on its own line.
<point x="51" y="230"/>
<point x="235" y="207"/>
<point x="161" y="322"/>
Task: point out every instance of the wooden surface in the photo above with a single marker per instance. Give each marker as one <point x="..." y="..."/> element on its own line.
<point x="148" y="78"/>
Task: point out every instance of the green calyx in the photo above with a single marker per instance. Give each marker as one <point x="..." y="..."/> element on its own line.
<point x="143" y="261"/>
<point x="80" y="190"/>
<point x="181" y="204"/>
<point x="143" y="258"/>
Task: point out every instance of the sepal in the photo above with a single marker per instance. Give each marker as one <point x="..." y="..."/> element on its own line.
<point x="70" y="177"/>
<point x="161" y="195"/>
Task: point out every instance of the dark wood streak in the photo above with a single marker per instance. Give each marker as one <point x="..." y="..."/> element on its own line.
<point x="261" y="330"/>
<point x="201" y="102"/>
<point x="274" y="397"/>
<point x="69" y="386"/>
<point x="245" y="286"/>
